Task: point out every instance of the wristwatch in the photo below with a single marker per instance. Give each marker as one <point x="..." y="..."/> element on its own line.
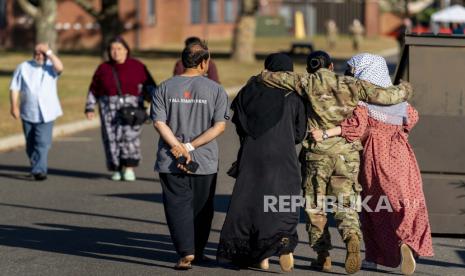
<point x="325" y="135"/>
<point x="49" y="52"/>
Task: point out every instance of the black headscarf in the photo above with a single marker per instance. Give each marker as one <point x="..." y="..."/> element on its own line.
<point x="257" y="107"/>
<point x="279" y="62"/>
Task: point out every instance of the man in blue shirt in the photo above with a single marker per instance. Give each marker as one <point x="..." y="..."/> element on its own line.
<point x="34" y="99"/>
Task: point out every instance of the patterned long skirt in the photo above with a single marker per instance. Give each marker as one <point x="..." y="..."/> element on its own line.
<point x="121" y="142"/>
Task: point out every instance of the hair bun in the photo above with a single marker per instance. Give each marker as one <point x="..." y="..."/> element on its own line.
<point x="315" y="63"/>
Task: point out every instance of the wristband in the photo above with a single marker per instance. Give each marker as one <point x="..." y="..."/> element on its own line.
<point x="189" y="147"/>
<point x="49" y="52"/>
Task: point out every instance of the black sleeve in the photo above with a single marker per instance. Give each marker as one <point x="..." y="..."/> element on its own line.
<point x="239" y="129"/>
<point x="149" y="85"/>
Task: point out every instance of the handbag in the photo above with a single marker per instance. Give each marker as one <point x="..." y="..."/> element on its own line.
<point x="128" y="115"/>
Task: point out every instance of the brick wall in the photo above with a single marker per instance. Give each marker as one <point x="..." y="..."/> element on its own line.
<point x="78" y="30"/>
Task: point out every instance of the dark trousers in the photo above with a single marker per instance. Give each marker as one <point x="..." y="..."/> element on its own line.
<point x="188" y="202"/>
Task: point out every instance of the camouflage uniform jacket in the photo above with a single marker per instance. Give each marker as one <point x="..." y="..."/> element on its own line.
<point x="332" y="99"/>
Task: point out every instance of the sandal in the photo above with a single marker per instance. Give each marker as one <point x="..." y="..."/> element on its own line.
<point x="286" y="261"/>
<point x="264" y="264"/>
<point x="185" y="263"/>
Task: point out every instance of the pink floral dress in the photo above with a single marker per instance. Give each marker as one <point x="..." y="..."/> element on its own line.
<point x="389" y="170"/>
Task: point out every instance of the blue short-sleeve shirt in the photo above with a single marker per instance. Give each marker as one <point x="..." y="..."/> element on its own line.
<point x="37" y="85"/>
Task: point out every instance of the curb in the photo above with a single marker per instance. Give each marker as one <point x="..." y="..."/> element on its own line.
<point x="17" y="140"/>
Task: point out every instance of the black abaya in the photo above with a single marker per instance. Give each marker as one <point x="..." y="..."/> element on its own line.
<point x="268" y="166"/>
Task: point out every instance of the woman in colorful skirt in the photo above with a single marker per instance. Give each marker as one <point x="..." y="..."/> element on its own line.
<point x="121" y="81"/>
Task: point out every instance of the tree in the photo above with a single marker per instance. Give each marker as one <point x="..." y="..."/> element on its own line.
<point x="107" y="17"/>
<point x="44" y="15"/>
<point x="244" y="32"/>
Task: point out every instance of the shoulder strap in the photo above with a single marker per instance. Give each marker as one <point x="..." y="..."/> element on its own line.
<point x="118" y="84"/>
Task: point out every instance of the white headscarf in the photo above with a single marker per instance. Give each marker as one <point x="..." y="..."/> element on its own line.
<point x="373" y="68"/>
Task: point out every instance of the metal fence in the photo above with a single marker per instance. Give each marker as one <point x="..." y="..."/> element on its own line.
<point x="318" y="12"/>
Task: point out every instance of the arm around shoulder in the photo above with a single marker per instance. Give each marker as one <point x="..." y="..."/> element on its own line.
<point x="285" y="80"/>
<point x="384" y="96"/>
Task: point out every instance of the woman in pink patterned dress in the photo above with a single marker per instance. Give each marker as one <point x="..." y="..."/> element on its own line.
<point x="389" y="175"/>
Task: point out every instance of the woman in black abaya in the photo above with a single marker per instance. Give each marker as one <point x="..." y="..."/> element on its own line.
<point x="269" y="122"/>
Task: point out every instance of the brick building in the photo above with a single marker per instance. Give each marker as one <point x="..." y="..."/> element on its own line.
<point x="152" y="23"/>
<point x="148" y="23"/>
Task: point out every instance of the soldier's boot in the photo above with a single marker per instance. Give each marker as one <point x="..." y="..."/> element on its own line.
<point x="353" y="261"/>
<point x="322" y="262"/>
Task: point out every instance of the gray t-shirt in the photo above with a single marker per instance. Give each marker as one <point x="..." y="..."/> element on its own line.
<point x="189" y="106"/>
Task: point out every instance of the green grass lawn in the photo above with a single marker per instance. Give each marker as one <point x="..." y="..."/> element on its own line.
<point x="343" y="48"/>
<point x="73" y="84"/>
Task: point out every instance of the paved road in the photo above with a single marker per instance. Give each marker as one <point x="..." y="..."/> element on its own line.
<point x="80" y="223"/>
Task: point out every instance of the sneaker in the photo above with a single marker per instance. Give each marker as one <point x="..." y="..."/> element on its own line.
<point x="322" y="262"/>
<point x="39" y="176"/>
<point x="408" y="264"/>
<point x="129" y="175"/>
<point x="353" y="261"/>
<point x="116" y="176"/>
<point x="286" y="261"/>
<point x="369" y="265"/>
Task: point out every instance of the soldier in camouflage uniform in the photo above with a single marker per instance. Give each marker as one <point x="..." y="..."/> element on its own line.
<point x="332" y="166"/>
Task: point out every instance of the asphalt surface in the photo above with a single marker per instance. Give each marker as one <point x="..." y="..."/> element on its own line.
<point x="80" y="223"/>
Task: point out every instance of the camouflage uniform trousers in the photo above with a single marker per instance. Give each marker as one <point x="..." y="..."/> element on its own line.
<point x="331" y="175"/>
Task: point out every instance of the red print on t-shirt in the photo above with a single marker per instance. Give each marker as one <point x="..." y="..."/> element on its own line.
<point x="187" y="95"/>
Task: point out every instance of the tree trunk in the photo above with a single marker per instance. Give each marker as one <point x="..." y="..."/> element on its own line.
<point x="44" y="20"/>
<point x="244" y="39"/>
<point x="110" y="23"/>
<point x="244" y="32"/>
<point x="45" y="23"/>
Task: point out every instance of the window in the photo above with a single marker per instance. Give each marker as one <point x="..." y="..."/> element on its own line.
<point x="196" y="11"/>
<point x="213" y="11"/>
<point x="151" y="12"/>
<point x="229" y="14"/>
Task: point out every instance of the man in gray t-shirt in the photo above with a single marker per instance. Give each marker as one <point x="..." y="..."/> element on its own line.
<point x="189" y="105"/>
<point x="189" y="111"/>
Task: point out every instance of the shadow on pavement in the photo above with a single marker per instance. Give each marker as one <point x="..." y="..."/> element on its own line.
<point x="221" y="201"/>
<point x="56" y="172"/>
<point x="96" y="243"/>
<point x="221" y="206"/>
<point x="81" y="213"/>
<point x="437" y="263"/>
